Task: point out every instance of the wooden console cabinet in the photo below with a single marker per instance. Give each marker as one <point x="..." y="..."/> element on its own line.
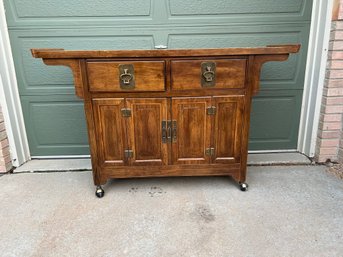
<point x="167" y="112"/>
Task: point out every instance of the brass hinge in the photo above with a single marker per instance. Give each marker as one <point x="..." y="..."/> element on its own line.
<point x="211" y="110"/>
<point x="209" y="151"/>
<point x="128" y="153"/>
<point x="126" y="112"/>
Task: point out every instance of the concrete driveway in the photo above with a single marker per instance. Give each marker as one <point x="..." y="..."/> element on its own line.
<point x="288" y="211"/>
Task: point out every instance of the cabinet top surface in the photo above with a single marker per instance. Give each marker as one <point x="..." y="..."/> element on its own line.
<point x="78" y="54"/>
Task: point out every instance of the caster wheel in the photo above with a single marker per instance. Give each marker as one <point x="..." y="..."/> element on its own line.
<point x="243" y="186"/>
<point x="99" y="192"/>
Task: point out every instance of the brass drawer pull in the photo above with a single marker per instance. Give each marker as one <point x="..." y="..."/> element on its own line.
<point x="126" y="77"/>
<point x="208" y="74"/>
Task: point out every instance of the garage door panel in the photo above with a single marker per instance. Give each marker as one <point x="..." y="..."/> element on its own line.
<point x="234" y="7"/>
<point x="48" y="12"/>
<point x="275" y="120"/>
<point x="34" y="77"/>
<point x="154" y="12"/>
<point x="274" y="75"/>
<point x="55" y="125"/>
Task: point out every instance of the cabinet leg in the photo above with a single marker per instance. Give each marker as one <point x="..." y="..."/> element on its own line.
<point x="99" y="192"/>
<point x="243" y="186"/>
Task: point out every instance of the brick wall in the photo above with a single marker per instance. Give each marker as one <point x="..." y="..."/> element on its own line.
<point x="330" y="136"/>
<point x="5" y="157"/>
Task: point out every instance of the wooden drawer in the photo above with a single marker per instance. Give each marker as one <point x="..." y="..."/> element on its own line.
<point x="224" y="73"/>
<point x="126" y="76"/>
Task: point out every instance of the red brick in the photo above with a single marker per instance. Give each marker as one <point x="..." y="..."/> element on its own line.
<point x="336" y="45"/>
<point x="337" y="35"/>
<point x="2" y="126"/>
<point x="333" y="109"/>
<point x="4" y="167"/>
<point x="4" y="143"/>
<point x="324" y="158"/>
<point x="335" y="11"/>
<point x="4" y="151"/>
<point x="3" y="135"/>
<point x="334" y="74"/>
<point x="334" y="100"/>
<point x="338" y="25"/>
<point x="329" y="134"/>
<point x="334" y="91"/>
<point x="332" y="126"/>
<point x="336" y="55"/>
<point x="335" y="64"/>
<point x="328" y="151"/>
<point x="331" y="117"/>
<point x="7" y="158"/>
<point x="329" y="142"/>
<point x="333" y="83"/>
<point x="9" y="166"/>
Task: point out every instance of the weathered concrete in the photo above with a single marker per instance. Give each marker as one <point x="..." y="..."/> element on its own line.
<point x="288" y="211"/>
<point x="277" y="158"/>
<point x="55" y="165"/>
<point x="85" y="164"/>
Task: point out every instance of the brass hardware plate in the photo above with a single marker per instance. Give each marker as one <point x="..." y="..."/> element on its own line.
<point x="209" y="151"/>
<point x="211" y="110"/>
<point x="169" y="131"/>
<point x="126" y="112"/>
<point x="128" y="153"/>
<point x="164" y="131"/>
<point x="208" y="74"/>
<point x="174" y="131"/>
<point x="126" y="76"/>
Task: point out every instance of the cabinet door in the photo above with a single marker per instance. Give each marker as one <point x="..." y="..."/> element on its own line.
<point x="110" y="131"/>
<point x="228" y="128"/>
<point x="193" y="130"/>
<point x="145" y="131"/>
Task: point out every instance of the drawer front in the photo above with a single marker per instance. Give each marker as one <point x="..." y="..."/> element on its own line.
<point x="126" y="76"/>
<point x="202" y="74"/>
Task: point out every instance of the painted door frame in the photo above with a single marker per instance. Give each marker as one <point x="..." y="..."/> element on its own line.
<point x="316" y="60"/>
<point x="9" y="98"/>
<point x="315" y="75"/>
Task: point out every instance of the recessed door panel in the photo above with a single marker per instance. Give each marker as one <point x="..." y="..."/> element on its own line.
<point x="110" y="130"/>
<point x="145" y="131"/>
<point x="228" y="128"/>
<point x="193" y="130"/>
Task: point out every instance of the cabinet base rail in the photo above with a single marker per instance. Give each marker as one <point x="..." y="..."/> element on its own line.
<point x="113" y="172"/>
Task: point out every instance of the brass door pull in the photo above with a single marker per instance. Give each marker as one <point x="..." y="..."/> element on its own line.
<point x="169" y="131"/>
